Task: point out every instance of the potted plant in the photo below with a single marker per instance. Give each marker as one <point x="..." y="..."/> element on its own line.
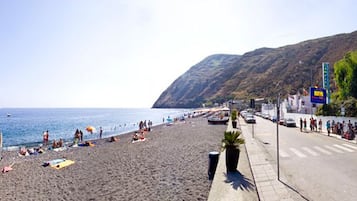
<point x="234" y="118"/>
<point x="231" y="142"/>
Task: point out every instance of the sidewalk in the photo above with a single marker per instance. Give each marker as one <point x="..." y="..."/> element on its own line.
<point x="234" y="185"/>
<point x="255" y="180"/>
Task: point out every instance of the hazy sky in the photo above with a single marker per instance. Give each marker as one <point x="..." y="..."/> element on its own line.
<point x="125" y="53"/>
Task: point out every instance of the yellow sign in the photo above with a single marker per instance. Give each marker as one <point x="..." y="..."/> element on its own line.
<point x="318" y="93"/>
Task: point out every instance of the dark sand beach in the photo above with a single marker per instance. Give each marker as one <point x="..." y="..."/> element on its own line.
<point x="170" y="165"/>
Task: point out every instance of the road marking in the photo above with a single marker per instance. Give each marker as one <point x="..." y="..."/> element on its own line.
<point x="350" y="146"/>
<point x="283" y="154"/>
<point x="344" y="148"/>
<point x="333" y="149"/>
<point x="298" y="153"/>
<point x="322" y="150"/>
<point x="310" y="151"/>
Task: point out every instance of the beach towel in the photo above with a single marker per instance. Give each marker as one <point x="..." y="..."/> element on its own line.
<point x="86" y="144"/>
<point x="60" y="149"/>
<point x="63" y="164"/>
<point x="139" y="140"/>
<point x="53" y="162"/>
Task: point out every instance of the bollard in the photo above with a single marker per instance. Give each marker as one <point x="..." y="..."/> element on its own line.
<point x="212" y="163"/>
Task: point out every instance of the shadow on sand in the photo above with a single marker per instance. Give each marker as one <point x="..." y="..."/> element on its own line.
<point x="238" y="180"/>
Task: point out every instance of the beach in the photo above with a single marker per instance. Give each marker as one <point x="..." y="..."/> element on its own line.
<point x="170" y="165"/>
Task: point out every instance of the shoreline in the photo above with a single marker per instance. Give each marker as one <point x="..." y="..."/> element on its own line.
<point x="16" y="147"/>
<point x="68" y="141"/>
<point x="171" y="164"/>
<point x="26" y="126"/>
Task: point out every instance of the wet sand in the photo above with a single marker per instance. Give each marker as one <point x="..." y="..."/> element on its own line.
<point x="170" y="165"/>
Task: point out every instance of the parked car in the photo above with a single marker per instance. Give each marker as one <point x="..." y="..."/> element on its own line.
<point x="289" y="122"/>
<point x="249" y="118"/>
<point x="265" y="116"/>
<point x="281" y="121"/>
<point x="273" y="118"/>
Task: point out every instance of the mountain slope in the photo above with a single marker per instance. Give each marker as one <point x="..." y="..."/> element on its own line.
<point x="263" y="72"/>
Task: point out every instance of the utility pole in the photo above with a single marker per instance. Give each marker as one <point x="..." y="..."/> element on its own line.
<point x="277" y="135"/>
<point x="252" y="105"/>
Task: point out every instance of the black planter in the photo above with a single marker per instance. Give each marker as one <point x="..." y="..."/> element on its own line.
<point x="232" y="157"/>
<point x="234" y="124"/>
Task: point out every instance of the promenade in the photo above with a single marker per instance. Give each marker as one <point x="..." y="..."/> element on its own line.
<point x="255" y="179"/>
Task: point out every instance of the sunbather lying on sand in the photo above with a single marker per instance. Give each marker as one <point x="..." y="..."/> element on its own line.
<point x="7" y="168"/>
<point x="113" y="139"/>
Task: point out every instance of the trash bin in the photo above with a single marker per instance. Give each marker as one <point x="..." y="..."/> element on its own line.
<point x="212" y="163"/>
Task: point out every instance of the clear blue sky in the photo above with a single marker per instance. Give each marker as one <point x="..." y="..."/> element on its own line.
<point x="86" y="53"/>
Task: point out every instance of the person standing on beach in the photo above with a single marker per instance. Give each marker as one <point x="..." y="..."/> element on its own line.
<point x="81" y="135"/>
<point x="100" y="132"/>
<point x="45" y="137"/>
<point x="141" y="125"/>
<point x="145" y="125"/>
<point x="149" y="124"/>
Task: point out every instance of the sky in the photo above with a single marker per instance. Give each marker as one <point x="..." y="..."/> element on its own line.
<point x="125" y="53"/>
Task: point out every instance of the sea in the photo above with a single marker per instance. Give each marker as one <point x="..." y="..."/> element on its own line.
<point x="25" y="126"/>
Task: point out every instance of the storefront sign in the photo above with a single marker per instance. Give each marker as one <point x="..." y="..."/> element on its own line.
<point x="318" y="95"/>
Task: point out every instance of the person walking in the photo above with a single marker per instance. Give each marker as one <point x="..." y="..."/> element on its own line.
<point x="320" y="125"/>
<point x="328" y="127"/>
<point x="311" y="124"/>
<point x="100" y="132"/>
<point x="304" y="124"/>
<point x="301" y="122"/>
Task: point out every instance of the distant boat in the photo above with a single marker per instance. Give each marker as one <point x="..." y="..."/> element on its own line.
<point x="218" y="120"/>
<point x="8" y="115"/>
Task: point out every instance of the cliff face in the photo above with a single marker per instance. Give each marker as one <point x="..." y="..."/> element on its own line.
<point x="260" y="73"/>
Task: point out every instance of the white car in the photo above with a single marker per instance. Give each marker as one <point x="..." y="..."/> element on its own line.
<point x="250" y="119"/>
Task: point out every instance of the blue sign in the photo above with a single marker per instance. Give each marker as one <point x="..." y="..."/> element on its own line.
<point x="326" y="78"/>
<point x="318" y="95"/>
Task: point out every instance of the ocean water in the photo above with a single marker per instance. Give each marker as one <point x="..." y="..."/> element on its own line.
<point x="26" y="126"/>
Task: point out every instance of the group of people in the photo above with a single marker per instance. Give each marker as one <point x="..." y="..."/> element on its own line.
<point x="138" y="136"/>
<point x="314" y="125"/>
<point x="143" y="125"/>
<point x="55" y="144"/>
<point x="344" y="129"/>
<point x="31" y="151"/>
<point x="78" y="136"/>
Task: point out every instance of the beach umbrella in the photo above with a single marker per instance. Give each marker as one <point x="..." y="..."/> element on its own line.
<point x="90" y="129"/>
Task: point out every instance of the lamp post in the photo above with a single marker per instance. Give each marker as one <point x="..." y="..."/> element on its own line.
<point x="277" y="135"/>
<point x="277" y="131"/>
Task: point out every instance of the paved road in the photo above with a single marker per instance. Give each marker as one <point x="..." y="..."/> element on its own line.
<point x="315" y="166"/>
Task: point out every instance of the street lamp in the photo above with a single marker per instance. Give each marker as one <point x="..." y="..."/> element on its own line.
<point x="277" y="135"/>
